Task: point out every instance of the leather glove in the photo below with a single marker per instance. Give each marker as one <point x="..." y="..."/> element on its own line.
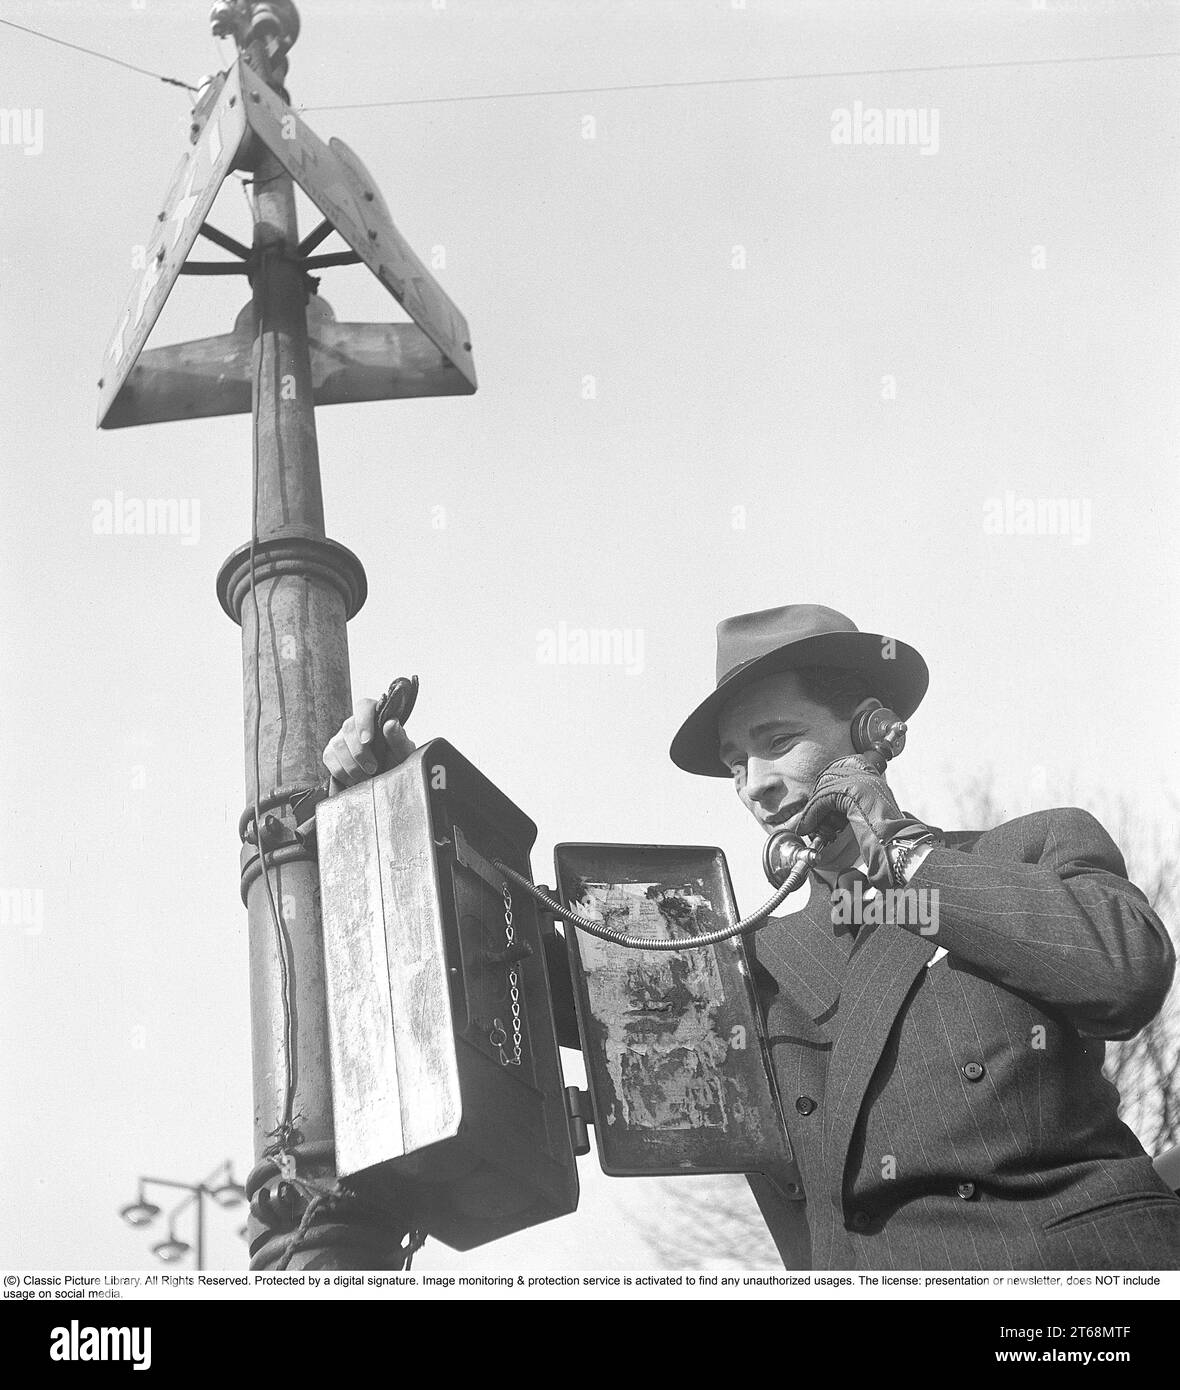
<point x="853" y="791"/>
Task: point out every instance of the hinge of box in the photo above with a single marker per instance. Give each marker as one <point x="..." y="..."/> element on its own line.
<point x="580" y="1113"/>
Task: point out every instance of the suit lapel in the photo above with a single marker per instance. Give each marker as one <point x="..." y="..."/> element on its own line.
<point x="800" y="952"/>
<point x="879" y="975"/>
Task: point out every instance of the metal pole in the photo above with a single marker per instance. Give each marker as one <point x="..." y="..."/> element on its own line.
<point x="200" y="1228"/>
<point x="292" y="591"/>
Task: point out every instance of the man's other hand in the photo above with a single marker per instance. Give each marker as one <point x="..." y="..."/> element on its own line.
<point x="853" y="789"/>
<point x="356" y="752"/>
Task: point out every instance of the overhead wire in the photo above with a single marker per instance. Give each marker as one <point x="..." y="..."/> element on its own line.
<point x="744" y="81"/>
<point x="94" y="53"/>
<point x="685" y="83"/>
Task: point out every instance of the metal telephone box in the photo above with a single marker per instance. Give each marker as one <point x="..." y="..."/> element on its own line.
<point x="447" y="1087"/>
<point x="448" y="1095"/>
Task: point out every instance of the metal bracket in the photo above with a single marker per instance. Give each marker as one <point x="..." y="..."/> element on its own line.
<point x="474" y="861"/>
<point x="276" y="831"/>
<point x="303" y="808"/>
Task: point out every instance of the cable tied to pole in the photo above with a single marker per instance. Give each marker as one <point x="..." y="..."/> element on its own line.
<point x="297" y="1241"/>
<point x="407" y="1237"/>
<point x="284" y="1132"/>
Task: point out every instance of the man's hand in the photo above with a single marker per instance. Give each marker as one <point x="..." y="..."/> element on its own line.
<point x="854" y="790"/>
<point x="356" y="753"/>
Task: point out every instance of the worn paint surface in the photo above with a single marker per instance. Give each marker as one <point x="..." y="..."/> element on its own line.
<point x="673" y="1042"/>
<point x="337" y="182"/>
<point x="666" y="1047"/>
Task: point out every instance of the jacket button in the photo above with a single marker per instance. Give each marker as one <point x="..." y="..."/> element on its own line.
<point x="805" y="1105"/>
<point x="973" y="1071"/>
<point x="860" y="1219"/>
<point x="966" y="1190"/>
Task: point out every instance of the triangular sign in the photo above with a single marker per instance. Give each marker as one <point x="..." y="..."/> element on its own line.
<point x="195" y="185"/>
<point x="183" y="381"/>
<point x="339" y="185"/>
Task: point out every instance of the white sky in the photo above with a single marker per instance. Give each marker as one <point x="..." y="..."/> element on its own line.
<point x="125" y="1017"/>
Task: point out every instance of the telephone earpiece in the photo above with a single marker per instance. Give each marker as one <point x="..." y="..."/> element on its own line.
<point x="878" y="730"/>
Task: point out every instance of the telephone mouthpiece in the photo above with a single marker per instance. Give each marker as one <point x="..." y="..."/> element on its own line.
<point x="782" y="853"/>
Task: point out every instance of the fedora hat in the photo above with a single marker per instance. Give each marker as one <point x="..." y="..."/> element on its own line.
<point x="754" y="645"/>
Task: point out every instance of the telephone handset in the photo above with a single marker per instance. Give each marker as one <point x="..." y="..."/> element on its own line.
<point x="878" y="730"/>
<point x="875" y="731"/>
<point x="397" y="703"/>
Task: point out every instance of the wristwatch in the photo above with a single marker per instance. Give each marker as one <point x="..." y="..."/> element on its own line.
<point x="905" y="856"/>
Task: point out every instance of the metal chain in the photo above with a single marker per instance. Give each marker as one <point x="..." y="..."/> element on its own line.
<point x="498" y="1036"/>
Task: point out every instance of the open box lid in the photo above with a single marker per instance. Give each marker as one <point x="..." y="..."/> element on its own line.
<point x="673" y="1041"/>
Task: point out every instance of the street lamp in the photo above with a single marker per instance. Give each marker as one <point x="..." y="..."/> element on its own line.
<point x="229" y="1194"/>
<point x="140" y="1212"/>
<point x="220" y="1187"/>
<point x="171" y="1250"/>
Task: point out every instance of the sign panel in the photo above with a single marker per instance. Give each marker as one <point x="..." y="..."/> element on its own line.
<point x="350" y="362"/>
<point x="339" y="185"/>
<point x="673" y="1041"/>
<point x="194" y="187"/>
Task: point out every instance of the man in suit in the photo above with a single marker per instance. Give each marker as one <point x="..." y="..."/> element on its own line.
<point x="938" y="1055"/>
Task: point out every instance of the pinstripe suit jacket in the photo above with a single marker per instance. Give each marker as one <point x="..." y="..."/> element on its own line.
<point x="953" y="1114"/>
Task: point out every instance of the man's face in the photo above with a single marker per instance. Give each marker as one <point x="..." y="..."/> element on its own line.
<point x="776" y="742"/>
